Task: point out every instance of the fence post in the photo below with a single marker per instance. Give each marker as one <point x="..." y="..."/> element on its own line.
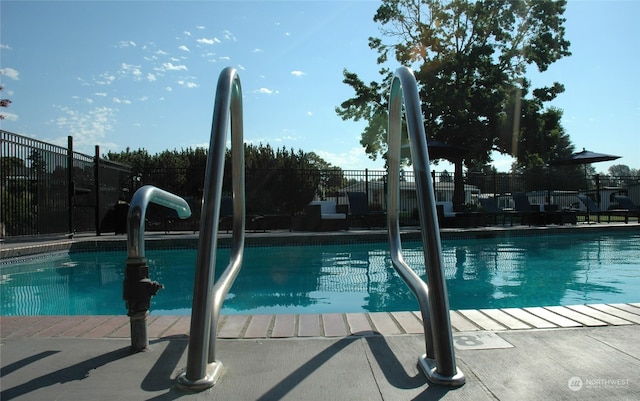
<point x="366" y="183"/>
<point x="96" y="180"/>
<point x="70" y="183"/>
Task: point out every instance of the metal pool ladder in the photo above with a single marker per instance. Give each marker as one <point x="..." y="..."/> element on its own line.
<point x="137" y="287"/>
<point x="203" y="370"/>
<point x="438" y="364"/>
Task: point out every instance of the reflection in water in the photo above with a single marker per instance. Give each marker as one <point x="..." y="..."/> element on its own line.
<point x="483" y="273"/>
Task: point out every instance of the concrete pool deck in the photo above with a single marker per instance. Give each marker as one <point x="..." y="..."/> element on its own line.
<point x="572" y="352"/>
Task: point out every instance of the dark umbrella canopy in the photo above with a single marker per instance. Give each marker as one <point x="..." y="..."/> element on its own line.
<point x="585" y="157"/>
<point x="440" y="150"/>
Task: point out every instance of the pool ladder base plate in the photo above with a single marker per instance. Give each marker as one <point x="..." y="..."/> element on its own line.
<point x="214" y="371"/>
<point x="429" y="368"/>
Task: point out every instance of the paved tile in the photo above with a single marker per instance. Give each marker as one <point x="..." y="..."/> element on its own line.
<point x="384" y="324"/>
<point x="482" y="320"/>
<point x="359" y="324"/>
<point x="259" y="326"/>
<point x="529" y="318"/>
<point x="576" y="316"/>
<point x="309" y="325"/>
<point x="284" y="326"/>
<point x="554" y="318"/>
<point x="334" y="325"/>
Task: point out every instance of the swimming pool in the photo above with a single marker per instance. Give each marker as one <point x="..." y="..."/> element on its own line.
<point x="480" y="273"/>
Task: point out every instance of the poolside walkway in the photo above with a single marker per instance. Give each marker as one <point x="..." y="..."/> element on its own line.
<point x="554" y="353"/>
<point x="79" y="358"/>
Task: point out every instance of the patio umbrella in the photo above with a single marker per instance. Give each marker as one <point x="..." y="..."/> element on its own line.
<point x="439" y="150"/>
<point x="584" y="157"/>
<point x="454" y="154"/>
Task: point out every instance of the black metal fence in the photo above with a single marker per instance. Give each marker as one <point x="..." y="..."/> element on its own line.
<point x="41" y="194"/>
<point x="49" y="189"/>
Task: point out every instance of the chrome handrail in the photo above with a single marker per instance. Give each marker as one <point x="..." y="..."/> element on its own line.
<point x="137" y="288"/>
<point x="438" y="364"/>
<point x="203" y="370"/>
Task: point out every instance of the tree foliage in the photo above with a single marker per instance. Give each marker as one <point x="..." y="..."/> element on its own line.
<point x="470" y="60"/>
<point x="278" y="180"/>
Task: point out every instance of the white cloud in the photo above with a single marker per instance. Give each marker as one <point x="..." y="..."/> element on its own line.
<point x="188" y="84"/>
<point x="105" y="79"/>
<point x="298" y="73"/>
<point x="130" y="69"/>
<point x="257" y="50"/>
<point x="356" y="158"/>
<point x="200" y="27"/>
<point x="9" y="116"/>
<point x="86" y="128"/>
<point x="103" y="94"/>
<point x="10" y="73"/>
<point x="187" y="33"/>
<point x="183" y="48"/>
<point x="168" y="89"/>
<point x="266" y="91"/>
<point x="5" y="47"/>
<point x="118" y="100"/>
<point x="309" y="113"/>
<point x="206" y="41"/>
<point x="225" y="58"/>
<point x="228" y="35"/>
<point x="126" y="43"/>
<point x="151" y="77"/>
<point x="162" y="53"/>
<point x="171" y="67"/>
<point x="89" y="100"/>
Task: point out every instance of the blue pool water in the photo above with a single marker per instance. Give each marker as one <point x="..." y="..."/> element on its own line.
<point x="480" y="273"/>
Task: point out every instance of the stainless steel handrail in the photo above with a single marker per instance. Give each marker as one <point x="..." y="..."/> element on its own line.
<point x="138" y="289"/>
<point x="438" y="364"/>
<point x="203" y="370"/>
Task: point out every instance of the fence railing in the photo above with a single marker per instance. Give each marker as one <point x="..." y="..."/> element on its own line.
<point x="49" y="189"/>
<point x="42" y="195"/>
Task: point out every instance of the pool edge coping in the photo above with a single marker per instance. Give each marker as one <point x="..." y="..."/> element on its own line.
<point x="157" y="240"/>
<point x="327" y="325"/>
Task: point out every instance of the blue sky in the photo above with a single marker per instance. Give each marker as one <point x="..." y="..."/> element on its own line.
<point x="143" y="74"/>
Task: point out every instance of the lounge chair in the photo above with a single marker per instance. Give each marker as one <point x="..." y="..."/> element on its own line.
<point x="359" y="210"/>
<point x="593" y="209"/>
<point x="492" y="211"/>
<point x="322" y="216"/>
<point x="528" y="213"/>
<point x="625" y="203"/>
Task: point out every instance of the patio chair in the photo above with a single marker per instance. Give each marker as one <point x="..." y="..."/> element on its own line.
<point x="525" y="210"/>
<point x="492" y="211"/>
<point x="593" y="209"/>
<point x="626" y="203"/>
<point x="359" y="210"/>
<point x="321" y="216"/>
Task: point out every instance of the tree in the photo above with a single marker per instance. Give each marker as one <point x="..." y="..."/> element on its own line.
<point x="470" y="60"/>
<point x="277" y="180"/>
<point x="620" y="170"/>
